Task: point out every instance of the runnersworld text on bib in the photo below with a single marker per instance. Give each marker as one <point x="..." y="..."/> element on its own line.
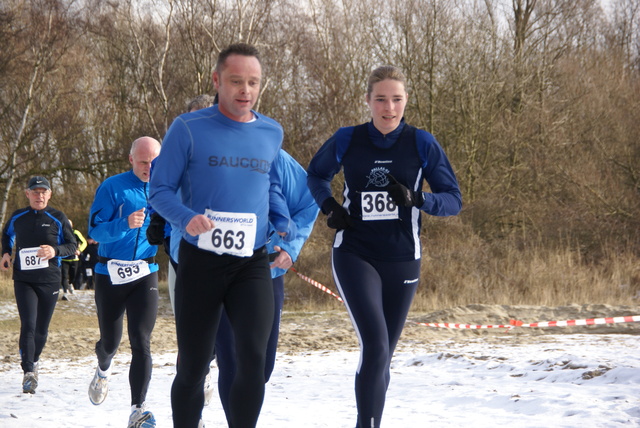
<point x="233" y="234"/>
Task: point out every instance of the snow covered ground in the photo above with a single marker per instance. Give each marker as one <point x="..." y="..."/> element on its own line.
<point x="580" y="380"/>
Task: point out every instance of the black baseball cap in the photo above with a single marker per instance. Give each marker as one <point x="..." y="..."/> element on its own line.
<point x="38" y="183"/>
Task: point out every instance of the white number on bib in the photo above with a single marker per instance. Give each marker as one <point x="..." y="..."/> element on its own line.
<point x="29" y="260"/>
<point x="124" y="271"/>
<point x="378" y="206"/>
<point x="233" y="234"/>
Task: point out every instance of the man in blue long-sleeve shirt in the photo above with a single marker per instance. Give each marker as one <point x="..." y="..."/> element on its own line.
<point x="220" y="160"/>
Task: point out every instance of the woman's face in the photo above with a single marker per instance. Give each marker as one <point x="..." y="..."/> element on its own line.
<point x="387" y="102"/>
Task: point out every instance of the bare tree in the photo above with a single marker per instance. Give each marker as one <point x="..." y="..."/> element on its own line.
<point x="40" y="38"/>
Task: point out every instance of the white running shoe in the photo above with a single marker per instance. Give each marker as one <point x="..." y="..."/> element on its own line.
<point x="99" y="387"/>
<point x="208" y="389"/>
<point x="29" y="383"/>
<point x="141" y="418"/>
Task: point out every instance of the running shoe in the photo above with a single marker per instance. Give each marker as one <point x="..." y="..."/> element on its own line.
<point x="99" y="387"/>
<point x="208" y="389"/>
<point x="141" y="418"/>
<point x="29" y="383"/>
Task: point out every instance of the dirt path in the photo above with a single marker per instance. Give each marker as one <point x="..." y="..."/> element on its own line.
<point x="74" y="329"/>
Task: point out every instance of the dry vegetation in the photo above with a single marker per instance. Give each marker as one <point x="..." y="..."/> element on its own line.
<point x="536" y="103"/>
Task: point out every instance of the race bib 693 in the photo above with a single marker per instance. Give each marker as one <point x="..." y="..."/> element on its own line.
<point x="125" y="271"/>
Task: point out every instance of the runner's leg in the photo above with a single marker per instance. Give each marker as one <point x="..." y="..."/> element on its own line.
<point x="47" y="300"/>
<point x="249" y="305"/>
<point x="27" y="302"/>
<point x="360" y="286"/>
<point x="200" y="286"/>
<point x="272" y="346"/>
<point x="110" y="306"/>
<point x="142" y="309"/>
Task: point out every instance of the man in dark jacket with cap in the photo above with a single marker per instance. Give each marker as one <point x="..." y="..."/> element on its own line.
<point x="37" y="236"/>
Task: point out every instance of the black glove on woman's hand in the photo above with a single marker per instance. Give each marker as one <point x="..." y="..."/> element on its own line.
<point x="337" y="217"/>
<point x="402" y="196"/>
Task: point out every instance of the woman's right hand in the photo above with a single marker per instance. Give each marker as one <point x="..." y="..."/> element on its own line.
<point x="337" y="216"/>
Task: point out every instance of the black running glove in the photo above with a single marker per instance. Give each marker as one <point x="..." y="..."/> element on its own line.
<point x="402" y="196"/>
<point x="337" y="217"/>
<point x="155" y="231"/>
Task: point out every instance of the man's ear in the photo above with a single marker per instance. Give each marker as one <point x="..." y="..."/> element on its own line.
<point x="215" y="77"/>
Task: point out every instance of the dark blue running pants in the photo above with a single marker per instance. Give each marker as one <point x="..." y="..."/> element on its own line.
<point x="225" y="347"/>
<point x="378" y="295"/>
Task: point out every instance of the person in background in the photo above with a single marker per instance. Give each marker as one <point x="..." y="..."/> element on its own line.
<point x="303" y="211"/>
<point x="89" y="259"/>
<point x="211" y="156"/>
<point x="376" y="250"/>
<point x="199" y="102"/>
<point x="126" y="278"/>
<point x="37" y="236"/>
<point x="71" y="265"/>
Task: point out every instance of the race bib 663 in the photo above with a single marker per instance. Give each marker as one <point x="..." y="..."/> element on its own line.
<point x="233" y="234"/>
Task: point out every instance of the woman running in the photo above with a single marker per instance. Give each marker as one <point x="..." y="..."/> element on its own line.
<point x="376" y="251"/>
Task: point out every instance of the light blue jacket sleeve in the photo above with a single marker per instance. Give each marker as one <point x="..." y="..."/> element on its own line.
<point x="279" y="215"/>
<point x="302" y="207"/>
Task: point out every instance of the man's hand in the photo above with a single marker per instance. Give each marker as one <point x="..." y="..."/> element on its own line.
<point x="282" y="260"/>
<point x="136" y="219"/>
<point x="5" y="264"/>
<point x="199" y="224"/>
<point x="46" y="252"/>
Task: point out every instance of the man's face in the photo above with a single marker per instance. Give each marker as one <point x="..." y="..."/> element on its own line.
<point x="238" y="86"/>
<point x="141" y="158"/>
<point x="38" y="198"/>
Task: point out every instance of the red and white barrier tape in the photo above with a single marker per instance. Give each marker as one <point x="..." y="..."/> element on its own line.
<point x="316" y="284"/>
<point x="512" y="323"/>
<point x="518" y="323"/>
<point x="464" y="326"/>
<point x="570" y="323"/>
